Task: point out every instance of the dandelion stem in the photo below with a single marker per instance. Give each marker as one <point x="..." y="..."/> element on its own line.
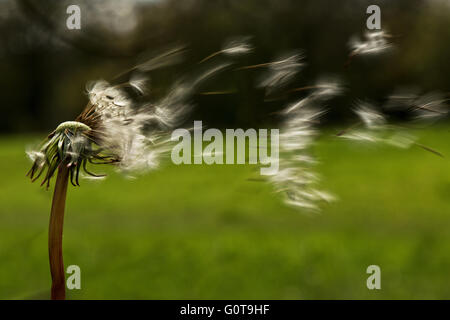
<point x="55" y="233"/>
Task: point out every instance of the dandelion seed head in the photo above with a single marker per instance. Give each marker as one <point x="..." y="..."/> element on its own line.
<point x="118" y="127"/>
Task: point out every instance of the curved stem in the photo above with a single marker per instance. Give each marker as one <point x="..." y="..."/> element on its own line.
<point x="55" y="234"/>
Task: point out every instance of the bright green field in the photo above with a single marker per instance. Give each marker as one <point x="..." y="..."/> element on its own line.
<point x="206" y="232"/>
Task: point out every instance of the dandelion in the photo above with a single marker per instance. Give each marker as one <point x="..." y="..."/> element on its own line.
<point x="115" y="128"/>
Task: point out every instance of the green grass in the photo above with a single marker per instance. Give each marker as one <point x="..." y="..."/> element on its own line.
<point x="206" y="232"/>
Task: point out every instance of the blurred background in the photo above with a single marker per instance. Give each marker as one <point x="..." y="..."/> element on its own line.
<point x="207" y="231"/>
<point x="45" y="66"/>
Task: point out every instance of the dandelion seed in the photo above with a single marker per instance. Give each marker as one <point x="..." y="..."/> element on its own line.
<point x="430" y="107"/>
<point x="139" y="83"/>
<point x="116" y="129"/>
<point x="426" y="108"/>
<point x="378" y="131"/>
<point x="371" y="118"/>
<point x="237" y="46"/>
<point x="164" y="59"/>
<point x="324" y="89"/>
<point x="363" y="136"/>
<point x="297" y="105"/>
<point x="401" y="140"/>
<point x="402" y="99"/>
<point x="234" y="47"/>
<point x="282" y="71"/>
<point x="296" y="179"/>
<point x="328" y="87"/>
<point x="375" y="42"/>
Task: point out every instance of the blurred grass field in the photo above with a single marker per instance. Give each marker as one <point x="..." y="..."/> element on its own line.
<point x="206" y="232"/>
